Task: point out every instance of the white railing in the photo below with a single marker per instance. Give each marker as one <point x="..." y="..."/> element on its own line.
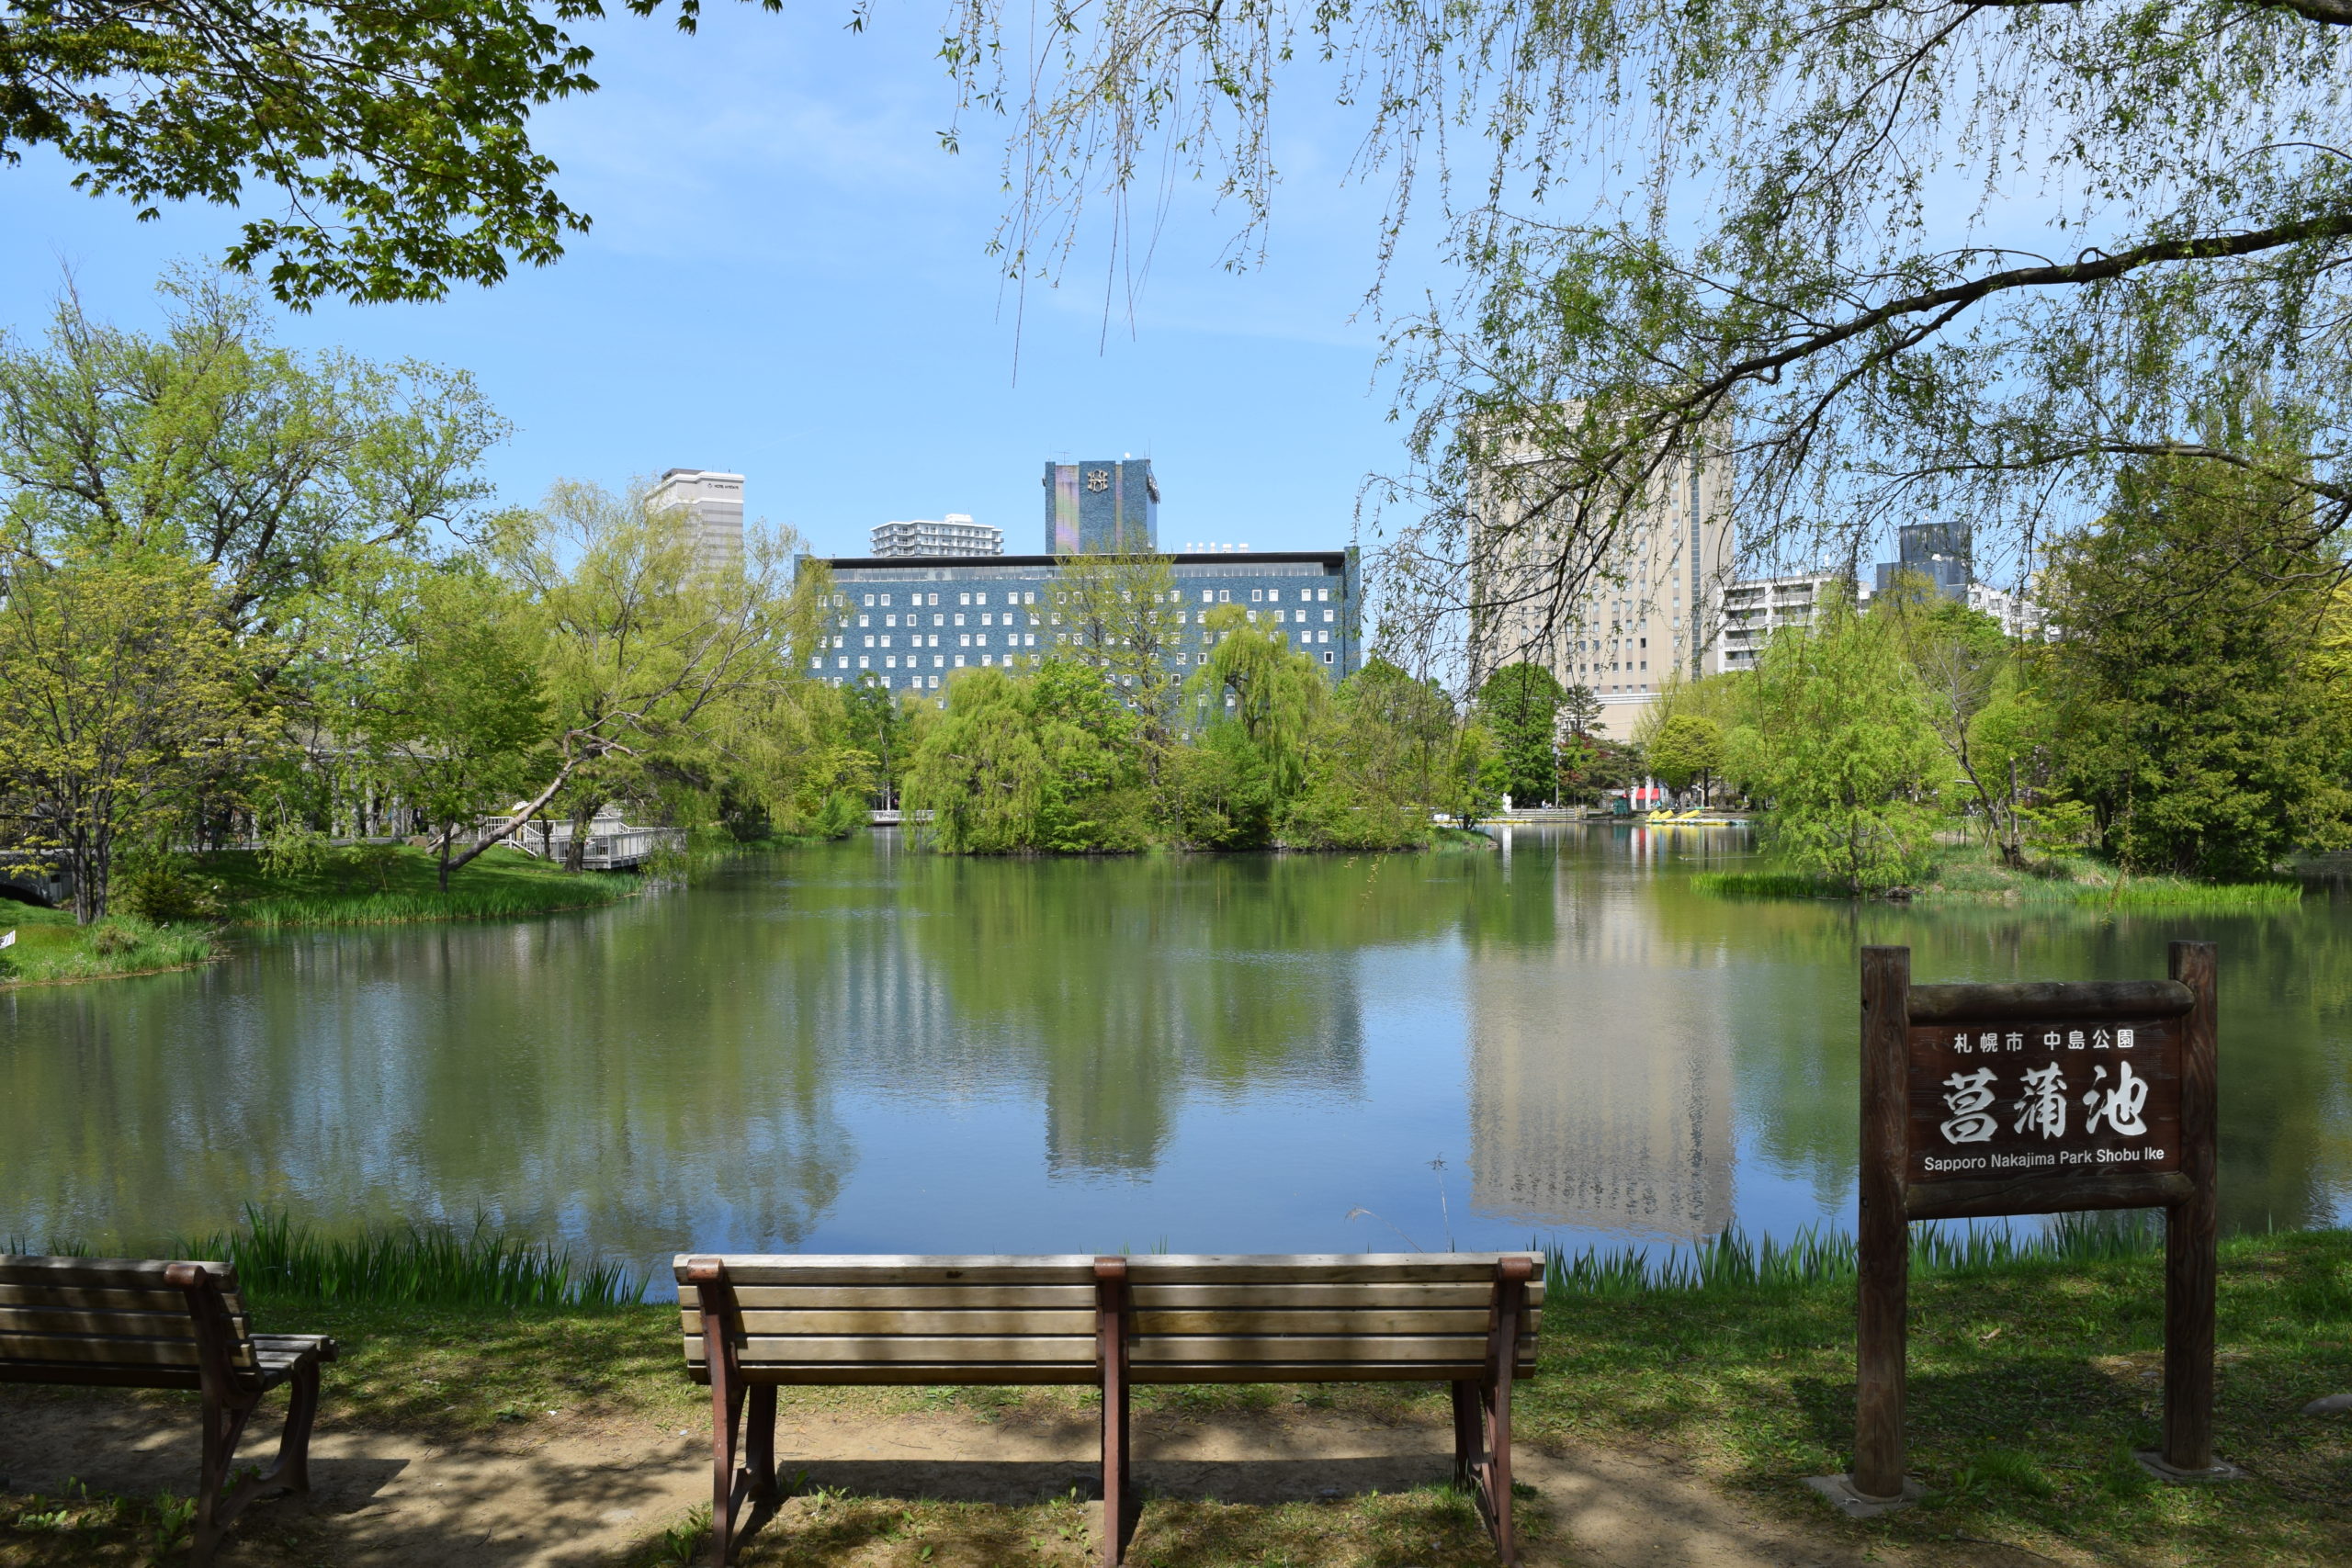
<point x="601" y="849"/>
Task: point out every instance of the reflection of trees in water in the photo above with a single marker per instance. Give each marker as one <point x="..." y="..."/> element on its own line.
<point x="1117" y="987"/>
<point x="584" y="1083"/>
<point x="2286" y="1109"/>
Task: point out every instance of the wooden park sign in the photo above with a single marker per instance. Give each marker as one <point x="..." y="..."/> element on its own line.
<point x="2035" y="1099"/>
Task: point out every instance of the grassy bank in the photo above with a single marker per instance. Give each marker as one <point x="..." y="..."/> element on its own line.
<point x="1971" y="875"/>
<point x="402" y="885"/>
<point x="51" y="948"/>
<point x="2034" y="1373"/>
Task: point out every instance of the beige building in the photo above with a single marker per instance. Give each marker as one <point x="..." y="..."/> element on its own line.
<point x="715" y="502"/>
<point x="1650" y="606"/>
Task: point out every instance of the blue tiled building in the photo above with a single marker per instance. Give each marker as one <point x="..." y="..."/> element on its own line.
<point x="1103" y="507"/>
<point x="912" y="622"/>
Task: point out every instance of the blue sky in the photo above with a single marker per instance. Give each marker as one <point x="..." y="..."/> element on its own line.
<point x="787" y="276"/>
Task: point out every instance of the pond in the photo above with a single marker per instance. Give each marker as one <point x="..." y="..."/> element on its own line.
<point x="862" y="1048"/>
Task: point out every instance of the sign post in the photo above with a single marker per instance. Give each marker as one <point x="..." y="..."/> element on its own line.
<point x="2033" y="1099"/>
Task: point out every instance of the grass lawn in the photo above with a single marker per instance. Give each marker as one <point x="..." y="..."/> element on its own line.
<point x="404" y="886"/>
<point x="50" y="947"/>
<point x="2031" y="1385"/>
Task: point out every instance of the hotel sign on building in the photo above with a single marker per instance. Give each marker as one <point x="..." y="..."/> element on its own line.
<point x="911" y="623"/>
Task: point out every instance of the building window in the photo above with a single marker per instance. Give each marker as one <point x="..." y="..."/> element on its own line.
<point x="960" y="661"/>
<point x="1225" y="596"/>
<point x="863" y="661"/>
<point x="1322" y="593"/>
<point x="980" y="598"/>
<point x="1029" y="639"/>
<point x="869" y="642"/>
<point x="1028" y="598"/>
<point x="963" y="599"/>
<point x="843" y="662"/>
<point x="1208" y="597"/>
<point x="891" y="662"/>
<point x="1326" y="658"/>
<point x="1255" y="595"/>
<point x="936" y="660"/>
<point x="1327" y="618"/>
<point x="869" y="601"/>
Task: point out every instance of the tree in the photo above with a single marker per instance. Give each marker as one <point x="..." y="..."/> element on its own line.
<point x="1520" y="705"/>
<point x="1688" y="748"/>
<point x="1253" y="710"/>
<point x="1473" y="786"/>
<point x="649" y="659"/>
<point x="1590" y="765"/>
<point x="1380" y="765"/>
<point x="878" y="726"/>
<point x="120" y="693"/>
<point x="1043" y="761"/>
<point x="398" y="136"/>
<point x="1879" y="258"/>
<point x="1961" y="657"/>
<point x="1121" y="615"/>
<point x="1839" y="747"/>
<point x="456" y="721"/>
<point x="267" y="466"/>
<point x="2199" y="726"/>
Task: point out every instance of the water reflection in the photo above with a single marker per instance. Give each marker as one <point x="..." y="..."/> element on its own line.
<point x="860" y="1048"/>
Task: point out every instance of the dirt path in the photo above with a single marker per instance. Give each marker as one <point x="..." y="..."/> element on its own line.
<point x="571" y="1492"/>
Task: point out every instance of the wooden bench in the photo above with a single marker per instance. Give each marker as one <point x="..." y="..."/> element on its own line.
<point x="122" y="1323"/>
<point x="754" y="1323"/>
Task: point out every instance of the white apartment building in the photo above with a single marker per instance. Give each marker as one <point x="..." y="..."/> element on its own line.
<point x="1650" y="606"/>
<point x="954" y="534"/>
<point x="1754" y="608"/>
<point x="715" y="501"/>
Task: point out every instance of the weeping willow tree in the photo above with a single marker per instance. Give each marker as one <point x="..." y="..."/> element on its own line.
<point x="1865" y="261"/>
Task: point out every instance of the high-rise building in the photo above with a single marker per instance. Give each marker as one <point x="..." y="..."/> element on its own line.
<point x="954" y="534"/>
<point x="1649" y="604"/>
<point x="715" y="501"/>
<point x="1101" y="508"/>
<point x="1937" y="553"/>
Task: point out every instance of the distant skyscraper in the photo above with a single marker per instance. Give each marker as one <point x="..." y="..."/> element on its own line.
<point x="954" y="535"/>
<point x="1101" y="508"/>
<point x="1938" y="552"/>
<point x="715" y="501"/>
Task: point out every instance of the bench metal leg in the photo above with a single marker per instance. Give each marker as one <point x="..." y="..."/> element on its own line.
<point x="1482" y="1412"/>
<point x="224" y="1426"/>
<point x="758" y="1438"/>
<point x="292" y="1469"/>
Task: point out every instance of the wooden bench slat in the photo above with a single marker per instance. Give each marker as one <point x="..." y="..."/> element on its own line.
<point x="868" y="1269"/>
<point x="957" y="1323"/>
<point x="1371" y="1321"/>
<point x="1452" y="1349"/>
<point x="137" y="1324"/>
<point x="111" y="1273"/>
<point x="93" y="1348"/>
<point x="822" y="1350"/>
<point x="97" y="1298"/>
<point x="1328" y="1269"/>
<point x="853" y="1298"/>
<point x="1441" y="1294"/>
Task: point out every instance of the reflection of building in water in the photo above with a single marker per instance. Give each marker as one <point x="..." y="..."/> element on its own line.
<point x="1601" y="1075"/>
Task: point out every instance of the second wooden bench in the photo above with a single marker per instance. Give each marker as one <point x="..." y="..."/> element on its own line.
<point x="755" y="1323"/>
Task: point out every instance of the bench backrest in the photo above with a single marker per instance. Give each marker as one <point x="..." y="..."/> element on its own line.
<point x="868" y="1319"/>
<point x="1350" y="1317"/>
<point x="117" y="1321"/>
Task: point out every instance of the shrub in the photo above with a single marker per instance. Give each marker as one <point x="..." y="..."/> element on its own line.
<point x="161" y="887"/>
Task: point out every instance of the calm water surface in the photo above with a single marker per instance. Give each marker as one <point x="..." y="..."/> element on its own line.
<point x="857" y="1048"/>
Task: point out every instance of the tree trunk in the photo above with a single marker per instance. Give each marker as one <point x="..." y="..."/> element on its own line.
<point x="448" y="836"/>
<point x="575" y="853"/>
